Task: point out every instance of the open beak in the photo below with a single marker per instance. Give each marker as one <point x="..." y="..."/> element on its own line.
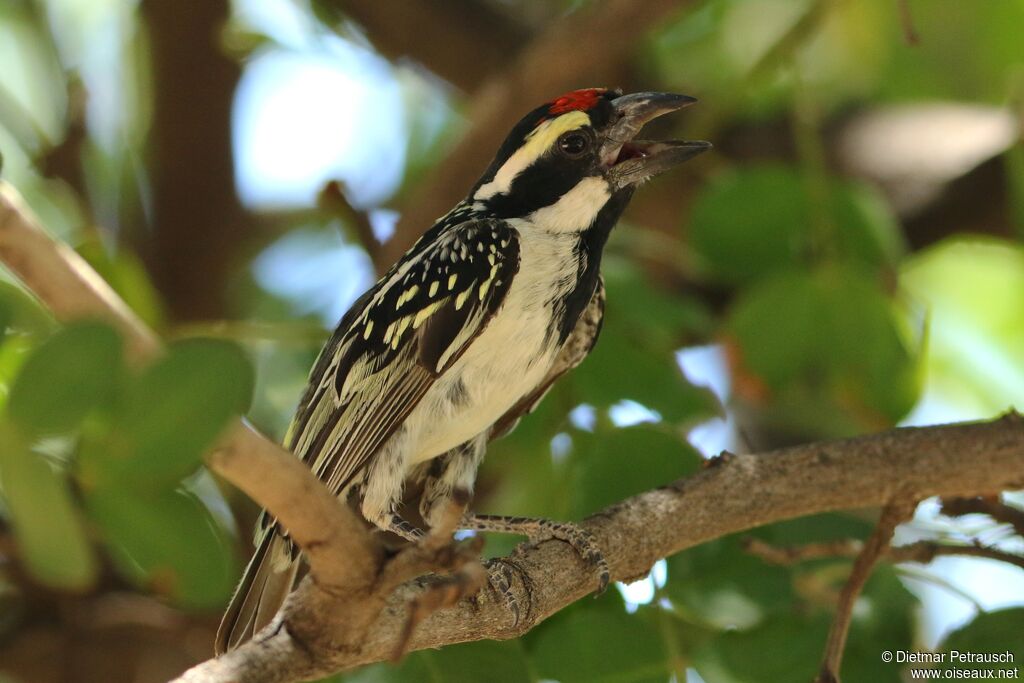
<point x="631" y="161"/>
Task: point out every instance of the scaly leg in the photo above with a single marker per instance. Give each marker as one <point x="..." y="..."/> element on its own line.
<point x="538" y="529"/>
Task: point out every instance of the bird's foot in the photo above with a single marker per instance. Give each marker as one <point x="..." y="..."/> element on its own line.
<point x="537" y="530"/>
<point x="500" y="574"/>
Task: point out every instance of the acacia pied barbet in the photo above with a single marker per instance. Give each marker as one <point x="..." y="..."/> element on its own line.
<point x="467" y="332"/>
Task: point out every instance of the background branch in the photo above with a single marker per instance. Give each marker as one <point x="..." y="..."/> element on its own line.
<point x="439" y="34"/>
<point x="986" y="505"/>
<point x="895" y="512"/>
<point x="552" y="63"/>
<point x="919" y="551"/>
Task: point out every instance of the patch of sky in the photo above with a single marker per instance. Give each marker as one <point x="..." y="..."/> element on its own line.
<point x="561" y="446"/>
<point x="706" y="366"/>
<point x="627" y="413"/>
<point x="643" y="591"/>
<point x="583" y="417"/>
<point x="316" y="271"/>
<point x="303" y="119"/>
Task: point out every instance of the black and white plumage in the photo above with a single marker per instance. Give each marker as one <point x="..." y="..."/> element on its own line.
<point x="469" y="330"/>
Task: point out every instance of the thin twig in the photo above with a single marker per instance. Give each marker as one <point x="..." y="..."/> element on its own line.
<point x="921" y="552"/>
<point x="787" y="555"/>
<point x="440" y="593"/>
<point x="332" y="199"/>
<point x="893" y="514"/>
<point x="925" y="551"/>
<point x="986" y="505"/>
<point x="62" y="279"/>
<point x="910" y="33"/>
<point x="440" y="34"/>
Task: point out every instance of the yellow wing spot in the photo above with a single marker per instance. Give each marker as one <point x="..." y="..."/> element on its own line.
<point x="403" y="324"/>
<point x="407" y="295"/>
<point x="426" y="313"/>
<point x="433" y="288"/>
<point x="368" y="331"/>
<point x="388" y="333"/>
<point x="484" y="286"/>
<point x="460" y="300"/>
<point x="451" y="281"/>
<point x="490" y="259"/>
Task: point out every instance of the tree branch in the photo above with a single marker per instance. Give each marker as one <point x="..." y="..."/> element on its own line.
<point x="895" y="512"/>
<point x="440" y="33"/>
<point x="793" y="482"/>
<point x="73" y="290"/>
<point x="986" y="505"/>
<point x="332" y="200"/>
<point x="922" y="552"/>
<point x="344" y="617"/>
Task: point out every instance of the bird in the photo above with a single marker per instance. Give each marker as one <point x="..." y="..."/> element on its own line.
<point x="467" y="332"/>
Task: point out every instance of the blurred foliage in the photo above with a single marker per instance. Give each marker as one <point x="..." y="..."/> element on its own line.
<point x="834" y="312"/>
<point x="94" y="457"/>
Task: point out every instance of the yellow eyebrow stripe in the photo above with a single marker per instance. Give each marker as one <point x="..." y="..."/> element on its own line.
<point x="537" y="142"/>
<point x="544" y="135"/>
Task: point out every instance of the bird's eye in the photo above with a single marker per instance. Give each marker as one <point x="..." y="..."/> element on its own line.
<point x="573" y="144"/>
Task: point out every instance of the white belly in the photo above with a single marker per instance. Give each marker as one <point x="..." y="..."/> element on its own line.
<point x="507" y="361"/>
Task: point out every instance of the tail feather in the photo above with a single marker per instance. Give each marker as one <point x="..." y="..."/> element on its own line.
<point x="267" y="580"/>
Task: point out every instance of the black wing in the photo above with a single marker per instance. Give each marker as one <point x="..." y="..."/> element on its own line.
<point x="399" y="337"/>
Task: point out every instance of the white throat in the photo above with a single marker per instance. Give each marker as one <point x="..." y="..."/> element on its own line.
<point x="575" y="211"/>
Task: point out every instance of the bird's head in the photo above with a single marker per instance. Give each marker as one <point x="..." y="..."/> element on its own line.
<point x="571" y="156"/>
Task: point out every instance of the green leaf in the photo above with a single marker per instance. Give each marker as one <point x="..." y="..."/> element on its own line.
<point x="598" y="642"/>
<point x="622" y="367"/>
<point x="484" y="660"/>
<point x="13" y="353"/>
<point x="68" y="375"/>
<point x="52" y="543"/>
<point x="635" y="354"/>
<point x="613" y="464"/>
<point x="127" y="275"/>
<point x="758" y="221"/>
<point x="784" y="648"/>
<point x="167" y="542"/>
<point x="21" y="312"/>
<point x="828" y="350"/>
<point x="989" y="632"/>
<point x="721" y="585"/>
<point x="972" y="291"/>
<point x="173" y="411"/>
<point x="751" y="223"/>
<point x="821" y="528"/>
<point x="788" y="646"/>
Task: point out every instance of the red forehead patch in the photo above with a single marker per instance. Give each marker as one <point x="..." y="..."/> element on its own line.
<point x="577" y="100"/>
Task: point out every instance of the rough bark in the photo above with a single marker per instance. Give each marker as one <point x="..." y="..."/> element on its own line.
<point x="740" y="493"/>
